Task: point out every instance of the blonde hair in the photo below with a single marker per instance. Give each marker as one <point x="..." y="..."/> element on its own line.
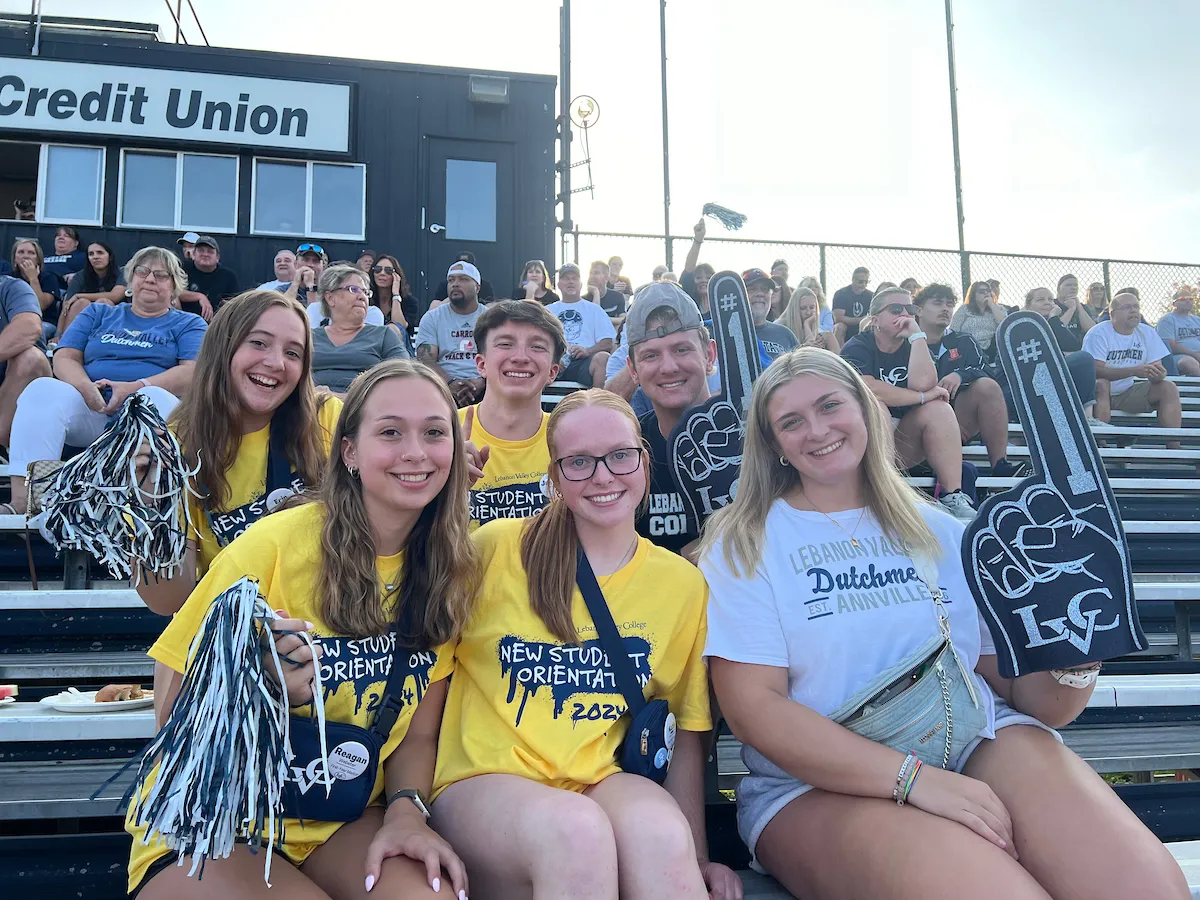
<point x="791" y="313"/>
<point x="811" y="282"/>
<point x="441" y="567"/>
<point x="885" y="295"/>
<point x="741" y="526"/>
<point x="168" y="261"/>
<point x="549" y="541"/>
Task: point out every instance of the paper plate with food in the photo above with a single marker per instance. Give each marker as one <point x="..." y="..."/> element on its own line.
<point x="110" y="698"/>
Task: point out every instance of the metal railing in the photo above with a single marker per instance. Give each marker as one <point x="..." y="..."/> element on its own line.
<point x="833" y="264"/>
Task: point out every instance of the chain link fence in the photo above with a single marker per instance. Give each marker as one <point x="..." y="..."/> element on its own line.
<point x="833" y="264"/>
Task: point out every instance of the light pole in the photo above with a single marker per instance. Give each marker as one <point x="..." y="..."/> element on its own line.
<point x="964" y="261"/>
<point x="662" y="30"/>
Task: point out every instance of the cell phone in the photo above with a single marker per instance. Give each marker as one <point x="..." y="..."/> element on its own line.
<point x="106" y="392"/>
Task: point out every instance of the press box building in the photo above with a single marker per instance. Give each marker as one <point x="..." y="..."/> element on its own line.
<point x="134" y="141"/>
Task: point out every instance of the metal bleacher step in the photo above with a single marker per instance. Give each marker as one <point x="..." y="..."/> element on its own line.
<point x="62" y="789"/>
<point x="85" y="666"/>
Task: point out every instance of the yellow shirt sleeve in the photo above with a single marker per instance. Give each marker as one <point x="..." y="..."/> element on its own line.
<point x="689" y="699"/>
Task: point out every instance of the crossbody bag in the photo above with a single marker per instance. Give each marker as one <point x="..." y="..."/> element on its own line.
<point x="650" y="741"/>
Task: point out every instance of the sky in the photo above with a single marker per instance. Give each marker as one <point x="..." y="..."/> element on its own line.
<point x="824" y="121"/>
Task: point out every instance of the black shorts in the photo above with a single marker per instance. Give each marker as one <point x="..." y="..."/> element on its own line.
<point x="578" y="370"/>
<point x="172" y="858"/>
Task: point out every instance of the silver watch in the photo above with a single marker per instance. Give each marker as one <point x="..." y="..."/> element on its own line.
<point x="414" y="796"/>
<point x="1078" y="679"/>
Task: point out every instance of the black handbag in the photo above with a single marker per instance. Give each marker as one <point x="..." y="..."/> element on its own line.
<point x="278" y="487"/>
<point x="353" y="759"/>
<point x="650" y="741"/>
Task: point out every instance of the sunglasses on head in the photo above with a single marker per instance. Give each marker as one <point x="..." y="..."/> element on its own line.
<point x="388" y="269"/>
<point x="900" y="309"/>
<point x="311" y="248"/>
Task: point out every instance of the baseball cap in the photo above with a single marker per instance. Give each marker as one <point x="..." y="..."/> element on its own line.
<point x="568" y="267"/>
<point x="190" y="238"/>
<point x="649" y="300"/>
<point x="463" y="268"/>
<point x="209" y="241"/>
<point x="752" y="275"/>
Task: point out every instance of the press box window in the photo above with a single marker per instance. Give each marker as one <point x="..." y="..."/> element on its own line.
<point x="470" y="200"/>
<point x="55" y="183"/>
<point x="179" y="191"/>
<point x="309" y="199"/>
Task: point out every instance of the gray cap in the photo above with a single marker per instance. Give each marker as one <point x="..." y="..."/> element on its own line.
<point x="652" y="298"/>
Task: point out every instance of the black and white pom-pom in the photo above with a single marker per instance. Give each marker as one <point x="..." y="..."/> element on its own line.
<point x="94" y="502"/>
<point x="223" y="755"/>
<point x="727" y="217"/>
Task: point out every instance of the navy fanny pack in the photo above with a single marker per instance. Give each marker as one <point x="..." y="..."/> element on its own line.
<point x="353" y="761"/>
<point x="650" y="741"/>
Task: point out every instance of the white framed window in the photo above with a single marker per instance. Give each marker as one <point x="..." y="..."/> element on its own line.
<point x="309" y="199"/>
<point x="178" y="191"/>
<point x="55" y="183"/>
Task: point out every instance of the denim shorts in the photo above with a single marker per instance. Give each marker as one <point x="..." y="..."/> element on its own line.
<point x="762" y="795"/>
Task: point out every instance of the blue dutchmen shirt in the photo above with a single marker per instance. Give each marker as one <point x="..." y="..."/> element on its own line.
<point x="120" y="345"/>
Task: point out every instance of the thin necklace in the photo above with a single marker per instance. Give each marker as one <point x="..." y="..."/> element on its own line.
<point x="624" y="560"/>
<point x="853" y="541"/>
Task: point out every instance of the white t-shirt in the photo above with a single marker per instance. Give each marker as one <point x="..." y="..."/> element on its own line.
<point x="316" y="317"/>
<point x="584" y="323"/>
<point x="1121" y="351"/>
<point x="835" y="616"/>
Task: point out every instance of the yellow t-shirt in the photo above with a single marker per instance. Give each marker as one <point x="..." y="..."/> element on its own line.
<point x="246" y="501"/>
<point x="523" y="703"/>
<point x="283" y="552"/>
<point x="514" y="483"/>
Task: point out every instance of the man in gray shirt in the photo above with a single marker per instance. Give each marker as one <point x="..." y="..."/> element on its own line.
<point x="446" y="336"/>
<point x="1180" y="330"/>
<point x="21" y="359"/>
<point x="773" y="339"/>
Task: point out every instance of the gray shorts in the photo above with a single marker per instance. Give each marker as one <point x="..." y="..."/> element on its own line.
<point x="760" y="798"/>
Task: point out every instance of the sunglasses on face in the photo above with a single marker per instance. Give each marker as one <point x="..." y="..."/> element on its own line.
<point x="900" y="309"/>
<point x="388" y="269"/>
<point x="311" y="248"/>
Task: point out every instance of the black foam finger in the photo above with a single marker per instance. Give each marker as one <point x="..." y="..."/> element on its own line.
<point x="737" y="344"/>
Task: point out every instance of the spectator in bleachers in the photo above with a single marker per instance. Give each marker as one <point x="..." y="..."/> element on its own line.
<point x="1074" y="314"/>
<point x="608" y="299"/>
<point x="950" y="776"/>
<point x="588" y="329"/>
<point x="145" y="346"/>
<point x="1097" y="300"/>
<point x="851" y="305"/>
<point x="979" y="317"/>
<point x="311" y="261"/>
<point x="21" y="358"/>
<point x="994" y="284"/>
<point x="1080" y="364"/>
<point x="670" y="358"/>
<point x="615" y="265"/>
<point x="911" y="285"/>
<point x="100" y="281"/>
<point x="68" y="258"/>
<point x="187" y="244"/>
<point x="486" y="294"/>
<point x="1126" y="351"/>
<point x="366" y="260"/>
<point x="369" y="551"/>
<point x="518" y="348"/>
<point x="553" y="773"/>
<point x="780" y="295"/>
<point x="255" y="365"/>
<point x="285" y="272"/>
<point x="977" y="400"/>
<point x="802" y="317"/>
<point x="780" y="269"/>
<point x="813" y="284"/>
<point x="209" y="283"/>
<point x="392" y="295"/>
<point x="446" y="336"/>
<point x="27" y="264"/>
<point x="695" y="275"/>
<point x="347" y="345"/>
<point x="535" y="284"/>
<point x="659" y="271"/>
<point x="894" y="359"/>
<point x="1180" y="330"/>
<point x="773" y="339"/>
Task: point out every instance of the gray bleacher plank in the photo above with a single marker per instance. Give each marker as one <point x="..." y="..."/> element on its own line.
<point x="23" y="722"/>
<point x="1152" y="690"/>
<point x="1144" y="527"/>
<point x="12" y="523"/>
<point x="761" y="887"/>
<point x="1187" y="854"/>
<point x="1136" y="432"/>
<point x="86" y="666"/>
<point x="119" y="598"/>
<point x="1119" y="485"/>
<point x="977" y="452"/>
<point x="61" y="790"/>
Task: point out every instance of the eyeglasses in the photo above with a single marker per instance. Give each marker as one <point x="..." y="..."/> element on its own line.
<point x="388" y="269"/>
<point x="354" y="289"/>
<point x="311" y="248"/>
<point x="582" y="466"/>
<point x="899" y="309"/>
<point x="156" y="274"/>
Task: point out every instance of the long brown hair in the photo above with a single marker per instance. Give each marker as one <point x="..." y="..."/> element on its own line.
<point x="206" y="422"/>
<point x="549" y="541"/>
<point x="441" y="567"/>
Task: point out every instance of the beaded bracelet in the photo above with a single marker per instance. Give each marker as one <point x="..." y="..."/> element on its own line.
<point x="910" y="783"/>
<point x="908" y="761"/>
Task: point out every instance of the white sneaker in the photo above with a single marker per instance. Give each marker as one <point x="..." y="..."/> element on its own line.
<point x="958" y="505"/>
<point x="1097" y="425"/>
